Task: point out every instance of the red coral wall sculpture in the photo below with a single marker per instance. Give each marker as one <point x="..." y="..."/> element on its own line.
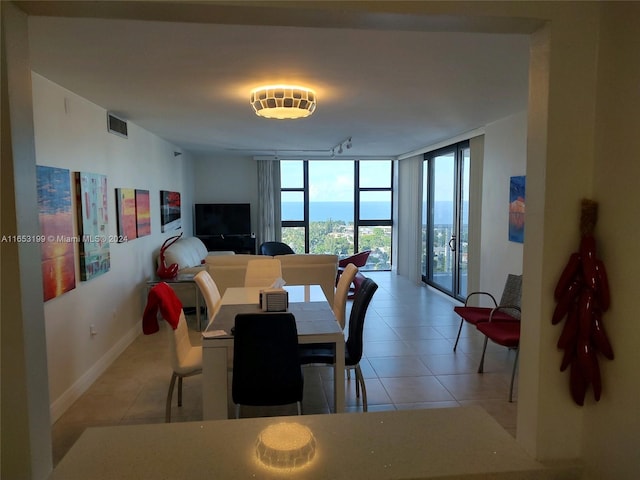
<point x="582" y="296"/>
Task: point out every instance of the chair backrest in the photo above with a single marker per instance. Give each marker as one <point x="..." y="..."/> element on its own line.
<point x="262" y="272"/>
<point x="512" y="294"/>
<point x="275" y="248"/>
<point x="209" y="291"/>
<point x="266" y="362"/>
<point x="180" y="346"/>
<point x="356" y="320"/>
<point x="359" y="259"/>
<point x="342" y="292"/>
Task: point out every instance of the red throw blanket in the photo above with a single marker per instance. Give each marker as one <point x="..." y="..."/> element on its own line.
<point x="164" y="298"/>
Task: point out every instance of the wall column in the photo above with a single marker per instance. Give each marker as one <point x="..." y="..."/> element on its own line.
<point x="25" y="422"/>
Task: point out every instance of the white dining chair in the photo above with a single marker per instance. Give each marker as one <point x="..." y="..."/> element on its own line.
<point x="210" y="292"/>
<point x="262" y="272"/>
<point x="186" y="360"/>
<point x="342" y="292"/>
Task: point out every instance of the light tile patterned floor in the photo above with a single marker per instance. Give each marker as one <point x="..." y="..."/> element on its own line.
<point x="409" y="363"/>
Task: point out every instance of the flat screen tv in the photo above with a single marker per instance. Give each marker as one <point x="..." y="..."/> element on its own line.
<point x="222" y="219"/>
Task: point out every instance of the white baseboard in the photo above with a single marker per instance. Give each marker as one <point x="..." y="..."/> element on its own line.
<point x="64" y="401"/>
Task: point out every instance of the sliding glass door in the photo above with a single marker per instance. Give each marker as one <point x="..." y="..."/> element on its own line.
<point x="446" y="219"/>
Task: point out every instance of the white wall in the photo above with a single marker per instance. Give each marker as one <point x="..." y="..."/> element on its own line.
<point x="505" y="154"/>
<point x="227" y="180"/>
<point x="71" y="133"/>
<point x="612" y="425"/>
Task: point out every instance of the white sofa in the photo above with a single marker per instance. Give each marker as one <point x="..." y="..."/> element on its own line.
<point x="297" y="269"/>
<point x="188" y="252"/>
<point x="228" y="270"/>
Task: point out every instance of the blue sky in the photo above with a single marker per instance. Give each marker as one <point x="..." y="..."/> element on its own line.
<point x="333" y="180"/>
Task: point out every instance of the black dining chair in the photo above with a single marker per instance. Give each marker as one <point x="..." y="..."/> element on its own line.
<point x="275" y="248"/>
<point x="266" y="362"/>
<point x="312" y="354"/>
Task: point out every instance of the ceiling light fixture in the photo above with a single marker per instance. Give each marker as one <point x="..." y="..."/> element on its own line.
<point x="283" y="101"/>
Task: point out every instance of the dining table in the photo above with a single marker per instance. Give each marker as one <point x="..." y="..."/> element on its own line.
<point x="315" y="323"/>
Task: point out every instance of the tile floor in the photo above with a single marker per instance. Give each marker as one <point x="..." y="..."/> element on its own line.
<point x="409" y="363"/>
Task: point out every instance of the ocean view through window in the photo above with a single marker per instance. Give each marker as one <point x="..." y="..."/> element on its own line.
<point x="338" y="207"/>
<point x="337" y="211"/>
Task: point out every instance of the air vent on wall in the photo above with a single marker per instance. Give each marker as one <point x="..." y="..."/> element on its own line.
<point x="116" y="125"/>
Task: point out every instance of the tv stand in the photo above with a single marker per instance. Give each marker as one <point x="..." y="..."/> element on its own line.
<point x="235" y="243"/>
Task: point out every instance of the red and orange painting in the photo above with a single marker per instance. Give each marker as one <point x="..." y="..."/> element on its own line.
<point x="126" y="206"/>
<point x="56" y="226"/>
<point x="143" y="213"/>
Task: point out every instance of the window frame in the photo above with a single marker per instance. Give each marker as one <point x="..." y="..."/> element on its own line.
<point x="305" y="190"/>
<point x="357" y="190"/>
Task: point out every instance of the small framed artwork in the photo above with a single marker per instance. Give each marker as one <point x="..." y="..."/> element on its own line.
<point x="169" y="211"/>
<point x="93" y="224"/>
<point x="143" y="213"/>
<point x="126" y="208"/>
<point x="517" y="209"/>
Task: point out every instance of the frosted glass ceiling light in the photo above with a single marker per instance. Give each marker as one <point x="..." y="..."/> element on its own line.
<point x="283" y="101"/>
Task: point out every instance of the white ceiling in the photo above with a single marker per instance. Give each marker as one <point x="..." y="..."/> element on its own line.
<point x="392" y="91"/>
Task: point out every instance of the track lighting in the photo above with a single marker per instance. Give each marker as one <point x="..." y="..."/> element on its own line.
<point x="341" y="146"/>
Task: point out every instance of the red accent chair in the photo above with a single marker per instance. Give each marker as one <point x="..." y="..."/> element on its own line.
<point x="359" y="260"/>
<point x="510" y="303"/>
<point x="505" y="333"/>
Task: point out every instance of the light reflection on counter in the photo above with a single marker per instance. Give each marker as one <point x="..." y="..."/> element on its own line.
<point x="285" y="446"/>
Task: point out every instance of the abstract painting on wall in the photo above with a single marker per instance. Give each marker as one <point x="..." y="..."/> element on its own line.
<point x="516" y="209"/>
<point x="93" y="223"/>
<point x="143" y="213"/>
<point x="56" y="227"/>
<point x="169" y="211"/>
<point x="126" y="209"/>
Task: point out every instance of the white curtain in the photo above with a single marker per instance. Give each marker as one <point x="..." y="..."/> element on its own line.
<point x="269" y="226"/>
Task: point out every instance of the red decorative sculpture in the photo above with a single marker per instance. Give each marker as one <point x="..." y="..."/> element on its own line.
<point x="582" y="296"/>
<point x="172" y="270"/>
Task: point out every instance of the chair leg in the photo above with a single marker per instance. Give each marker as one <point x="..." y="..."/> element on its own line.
<point x="237" y="410"/>
<point x="458" y="336"/>
<point x="513" y="374"/>
<point x="357" y="382"/>
<point x="360" y="379"/>
<point x="484" y="350"/>
<point x="167" y="414"/>
<point x="299" y="407"/>
<point x="179" y="391"/>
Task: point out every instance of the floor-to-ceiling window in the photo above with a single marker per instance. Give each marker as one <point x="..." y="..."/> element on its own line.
<point x="338" y="206"/>
<point x="445" y="219"/>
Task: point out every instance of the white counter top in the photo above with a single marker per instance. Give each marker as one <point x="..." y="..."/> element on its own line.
<point x="413" y="444"/>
